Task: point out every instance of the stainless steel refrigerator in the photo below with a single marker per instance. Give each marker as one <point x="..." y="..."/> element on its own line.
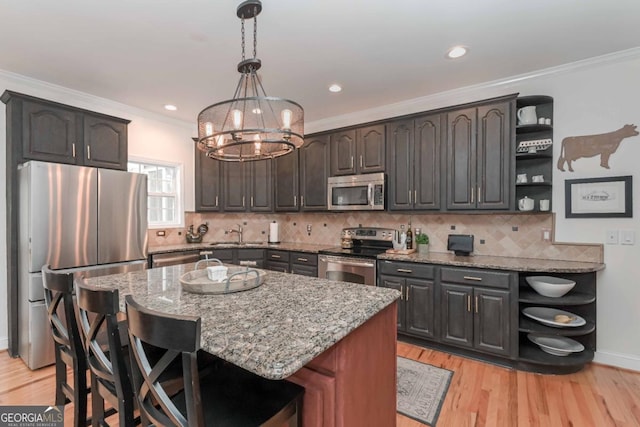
<point x="77" y="219"/>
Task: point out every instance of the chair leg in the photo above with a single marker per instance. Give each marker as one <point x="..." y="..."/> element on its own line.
<point x="80" y="397"/>
<point x="97" y="404"/>
<point x="61" y="379"/>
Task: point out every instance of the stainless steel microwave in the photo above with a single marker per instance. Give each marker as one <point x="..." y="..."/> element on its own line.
<point x="356" y="192"/>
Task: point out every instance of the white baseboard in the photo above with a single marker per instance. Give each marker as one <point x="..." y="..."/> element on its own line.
<point x="625" y="361"/>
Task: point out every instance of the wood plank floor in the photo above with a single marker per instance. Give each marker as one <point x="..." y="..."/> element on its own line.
<point x="480" y="394"/>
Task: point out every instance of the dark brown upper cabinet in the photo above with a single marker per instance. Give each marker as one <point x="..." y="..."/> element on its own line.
<point x="413" y="157"/>
<point x="314" y="171"/>
<point x="479" y="157"/>
<point x="358" y="151"/>
<point x="285" y="174"/>
<point x="207" y="183"/>
<point x="53" y="132"/>
<point x="247" y="186"/>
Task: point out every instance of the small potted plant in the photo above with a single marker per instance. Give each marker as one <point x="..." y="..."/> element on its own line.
<point x="422" y="240"/>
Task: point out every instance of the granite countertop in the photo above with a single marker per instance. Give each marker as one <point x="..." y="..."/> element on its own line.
<point x="272" y="330"/>
<point x="297" y="247"/>
<point x="499" y="263"/>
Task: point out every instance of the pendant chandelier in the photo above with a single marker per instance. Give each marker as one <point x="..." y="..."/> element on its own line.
<point x="251" y="125"/>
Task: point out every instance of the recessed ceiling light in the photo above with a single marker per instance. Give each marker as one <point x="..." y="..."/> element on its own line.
<point x="457" y="52"/>
<point x="256" y="111"/>
<point x="170" y="107"/>
<point x="335" y="88"/>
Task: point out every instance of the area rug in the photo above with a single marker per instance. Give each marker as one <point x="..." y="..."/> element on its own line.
<point x="421" y="390"/>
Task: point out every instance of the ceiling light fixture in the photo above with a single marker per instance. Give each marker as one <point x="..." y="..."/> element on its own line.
<point x="251" y="125"/>
<point x="457" y="52"/>
<point x="170" y="107"/>
<point x="335" y="88"/>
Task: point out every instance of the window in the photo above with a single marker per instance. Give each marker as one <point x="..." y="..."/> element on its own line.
<point x="164" y="204"/>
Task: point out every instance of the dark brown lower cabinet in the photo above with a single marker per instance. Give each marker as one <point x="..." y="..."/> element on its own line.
<point x="476" y="318"/>
<point x="416" y="305"/>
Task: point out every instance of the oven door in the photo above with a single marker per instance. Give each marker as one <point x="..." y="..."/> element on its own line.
<point x="347" y="269"/>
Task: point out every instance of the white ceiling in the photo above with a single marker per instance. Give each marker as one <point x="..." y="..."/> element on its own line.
<point x="147" y="53"/>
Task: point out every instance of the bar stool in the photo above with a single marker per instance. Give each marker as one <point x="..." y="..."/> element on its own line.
<point x="110" y="373"/>
<point x="58" y="296"/>
<point x="229" y="396"/>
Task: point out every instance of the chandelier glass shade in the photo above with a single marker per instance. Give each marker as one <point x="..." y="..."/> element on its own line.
<point x="251" y="125"/>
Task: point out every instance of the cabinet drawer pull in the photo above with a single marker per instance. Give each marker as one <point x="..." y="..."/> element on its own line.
<point x="404" y="270"/>
<point x="351" y="162"/>
<point x="73" y="150"/>
<point x="415" y="196"/>
<point x="409" y="196"/>
<point x="295" y="201"/>
<point x="89" y="152"/>
<point x="361" y="161"/>
<point x="216" y="201"/>
<point x="472" y="194"/>
<point x="477" y="279"/>
<point x="407" y="293"/>
<point x="476" y="303"/>
<point x="479" y="194"/>
<point x="251" y="201"/>
<point x="469" y="303"/>
<point x="301" y="201"/>
<point x="402" y="292"/>
<point x="275" y="256"/>
<point x="243" y="201"/>
<point x="303" y="259"/>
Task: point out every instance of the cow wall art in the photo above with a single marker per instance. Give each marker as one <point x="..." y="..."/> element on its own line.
<point x="604" y="144"/>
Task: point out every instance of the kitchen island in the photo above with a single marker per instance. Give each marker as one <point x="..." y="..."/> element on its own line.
<point x="336" y="339"/>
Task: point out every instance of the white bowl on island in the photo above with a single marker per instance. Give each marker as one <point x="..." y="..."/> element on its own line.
<point x="550" y="286"/>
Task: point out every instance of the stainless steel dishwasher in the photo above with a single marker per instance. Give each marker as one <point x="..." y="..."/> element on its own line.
<point x="174" y="258"/>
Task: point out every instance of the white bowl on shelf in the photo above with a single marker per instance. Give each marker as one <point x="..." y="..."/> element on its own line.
<point x="550" y="286"/>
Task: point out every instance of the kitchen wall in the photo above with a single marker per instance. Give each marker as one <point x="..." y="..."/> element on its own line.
<point x="592" y="96"/>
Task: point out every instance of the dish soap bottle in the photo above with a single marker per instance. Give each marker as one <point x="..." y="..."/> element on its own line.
<point x="409" y="237"/>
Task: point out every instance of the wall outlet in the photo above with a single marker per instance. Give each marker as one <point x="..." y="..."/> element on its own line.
<point x="611" y="237"/>
<point x="161" y="233"/>
<point x="546" y="235"/>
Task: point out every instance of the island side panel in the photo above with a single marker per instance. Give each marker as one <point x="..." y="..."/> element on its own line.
<point x="363" y="368"/>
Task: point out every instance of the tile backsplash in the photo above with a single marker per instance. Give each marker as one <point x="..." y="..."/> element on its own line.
<point x="516" y="235"/>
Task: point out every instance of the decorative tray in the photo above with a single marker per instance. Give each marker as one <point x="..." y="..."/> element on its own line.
<point x="534" y="145"/>
<point x="400" y="251"/>
<point x="238" y="279"/>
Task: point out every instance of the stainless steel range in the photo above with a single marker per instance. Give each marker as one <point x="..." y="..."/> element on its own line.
<point x="355" y="259"/>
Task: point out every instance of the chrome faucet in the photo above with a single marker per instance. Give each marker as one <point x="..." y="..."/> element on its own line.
<point x="239" y="231"/>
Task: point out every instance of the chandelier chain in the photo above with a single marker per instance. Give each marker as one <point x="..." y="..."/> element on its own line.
<point x="255" y="34"/>
<point x="242" y="32"/>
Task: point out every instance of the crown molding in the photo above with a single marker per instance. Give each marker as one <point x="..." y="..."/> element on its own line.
<point x="464" y="94"/>
<point x="80" y="99"/>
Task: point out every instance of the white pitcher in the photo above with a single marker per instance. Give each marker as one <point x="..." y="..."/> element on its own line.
<point x="527" y="115"/>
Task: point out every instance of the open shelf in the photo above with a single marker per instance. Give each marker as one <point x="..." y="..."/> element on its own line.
<point x="531" y="358"/>
<point x="529" y="296"/>
<point x="520" y="129"/>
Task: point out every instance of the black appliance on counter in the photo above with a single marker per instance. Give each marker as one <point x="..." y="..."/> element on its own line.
<point x="460" y="244"/>
<point x="355" y="259"/>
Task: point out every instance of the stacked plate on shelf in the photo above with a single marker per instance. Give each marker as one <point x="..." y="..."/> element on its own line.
<point x="558" y="346"/>
<point x="552" y="344"/>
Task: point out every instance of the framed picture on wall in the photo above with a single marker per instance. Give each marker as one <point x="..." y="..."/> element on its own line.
<point x="608" y="197"/>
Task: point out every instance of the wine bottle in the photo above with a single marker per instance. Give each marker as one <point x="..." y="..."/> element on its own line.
<point x="409" y="237"/>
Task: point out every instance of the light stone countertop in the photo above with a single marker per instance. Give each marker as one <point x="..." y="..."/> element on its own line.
<point x="498" y="263"/>
<point x="272" y="330"/>
<point x="297" y="247"/>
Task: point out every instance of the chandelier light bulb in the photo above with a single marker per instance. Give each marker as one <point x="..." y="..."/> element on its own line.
<point x="208" y="129"/>
<point x="286" y="118"/>
<point x="237" y="119"/>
